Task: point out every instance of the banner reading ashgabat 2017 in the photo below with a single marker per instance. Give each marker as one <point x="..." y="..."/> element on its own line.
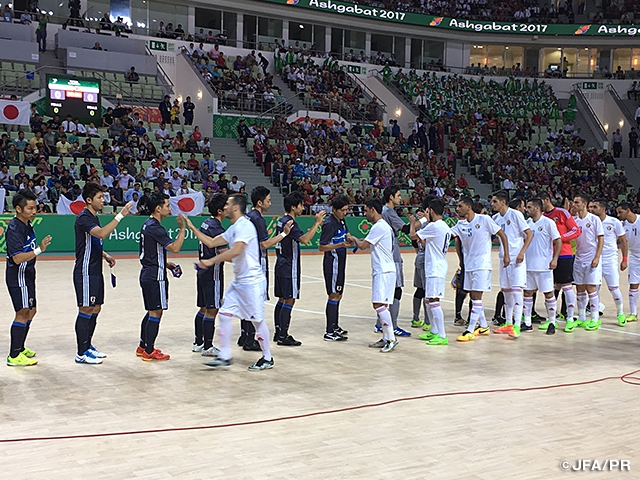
<point x="382" y="14"/>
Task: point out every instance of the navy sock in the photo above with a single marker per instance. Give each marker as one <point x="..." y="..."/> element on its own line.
<point x="285" y="320"/>
<point x="143" y="331"/>
<point x="92" y="327"/>
<point x="26" y="332"/>
<point x="332" y="315"/>
<point x="153" y="327"/>
<point x="208" y="327"/>
<point x="276" y="318"/>
<point x="18" y="331"/>
<point x="198" y="339"/>
<point x="82" y="332"/>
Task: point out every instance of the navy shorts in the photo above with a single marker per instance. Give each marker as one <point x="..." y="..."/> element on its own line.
<point x="209" y="293"/>
<point x="23" y="297"/>
<point x="89" y="290"/>
<point x="287" y="287"/>
<point x="334" y="274"/>
<point x="563" y="273"/>
<point x="155" y="295"/>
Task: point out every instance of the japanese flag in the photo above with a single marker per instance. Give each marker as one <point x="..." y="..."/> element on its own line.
<point x="189" y="204"/>
<point x="68" y="207"/>
<point x="14" y="112"/>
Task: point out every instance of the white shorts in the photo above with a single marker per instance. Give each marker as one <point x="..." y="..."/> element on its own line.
<point x="514" y="275"/>
<point x="434" y="287"/>
<point x="540" y="281"/>
<point x="245" y="301"/>
<point x="611" y="273"/>
<point x="477" y="281"/>
<point x="399" y="275"/>
<point x="583" y="274"/>
<point x="634" y="272"/>
<point x="383" y="286"/>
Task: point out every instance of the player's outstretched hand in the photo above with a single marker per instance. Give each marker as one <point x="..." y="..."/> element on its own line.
<point x="320" y="216"/>
<point x="126" y="209"/>
<point x="45" y="242"/>
<point x="181" y="221"/>
<point x="190" y="225"/>
<point x="287" y="227"/>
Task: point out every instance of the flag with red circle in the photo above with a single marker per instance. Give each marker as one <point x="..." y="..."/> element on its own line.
<point x="189" y="204"/>
<point x="14" y="112"/>
<point x="70" y="207"/>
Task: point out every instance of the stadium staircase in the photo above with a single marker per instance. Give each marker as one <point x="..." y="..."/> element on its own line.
<point x="586" y="127"/>
<point x="240" y="163"/>
<point x="298" y="104"/>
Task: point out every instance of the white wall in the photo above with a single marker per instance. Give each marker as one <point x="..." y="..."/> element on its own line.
<point x="187" y="82"/>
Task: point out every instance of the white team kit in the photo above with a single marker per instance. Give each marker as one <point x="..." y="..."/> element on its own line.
<point x="245" y="295"/>
<point x="514" y="225"/>
<point x="437" y="236"/>
<point x="475" y="238"/>
<point x="586" y="244"/>
<point x="632" y="232"/>
<point x="540" y="253"/>
<point x="613" y="229"/>
<point x="383" y="268"/>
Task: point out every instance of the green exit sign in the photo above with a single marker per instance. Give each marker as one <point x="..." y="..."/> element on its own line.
<point x="590" y="85"/>
<point x="160" y="46"/>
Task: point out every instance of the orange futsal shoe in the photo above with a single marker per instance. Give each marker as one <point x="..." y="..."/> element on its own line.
<point x="156" y="355"/>
<point x="139" y="351"/>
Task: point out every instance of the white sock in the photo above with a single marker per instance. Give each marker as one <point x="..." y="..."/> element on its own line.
<point x="552" y="305"/>
<point x="432" y="322"/>
<point x="225" y="330"/>
<point x="386" y="322"/>
<point x="570" y="301"/>
<point x="518" y="305"/>
<point x="482" y="319"/>
<point x="582" y="306"/>
<point x="617" y="299"/>
<point x="262" y="335"/>
<point x="633" y="301"/>
<point x="594" y="304"/>
<point x="438" y="318"/>
<point x="528" y="307"/>
<point x="476" y="311"/>
<point x="509" y="301"/>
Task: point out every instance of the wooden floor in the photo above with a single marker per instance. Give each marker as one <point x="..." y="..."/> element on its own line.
<point x="455" y="434"/>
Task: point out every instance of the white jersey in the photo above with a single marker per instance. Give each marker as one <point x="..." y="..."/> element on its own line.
<point x="613" y="229"/>
<point x="540" y="251"/>
<point x="437" y="236"/>
<point x="632" y="232"/>
<point x="513" y="225"/>
<point x="380" y="238"/>
<point x="586" y="244"/>
<point x="246" y="266"/>
<point x="475" y="238"/>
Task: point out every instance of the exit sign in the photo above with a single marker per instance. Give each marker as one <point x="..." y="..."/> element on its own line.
<point x="155" y="45"/>
<point x="591" y="85"/>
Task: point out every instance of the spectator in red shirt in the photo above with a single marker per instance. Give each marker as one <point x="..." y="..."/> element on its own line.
<point x="462" y="182"/>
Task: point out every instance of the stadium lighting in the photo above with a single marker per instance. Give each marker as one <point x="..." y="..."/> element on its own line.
<point x="621" y="123"/>
<point x="199" y="95"/>
<point x="606" y="127"/>
<point x="398" y="112"/>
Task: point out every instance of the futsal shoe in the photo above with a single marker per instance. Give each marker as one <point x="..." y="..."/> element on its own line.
<point x="551" y="329"/>
<point x="398" y="332"/>
<point x="377" y="328"/>
<point x="438" y="340"/>
<point x="505" y="329"/>
<point x="570" y="326"/>
<point x="481" y="331"/>
<point x="197" y="348"/>
<point x="622" y="320"/>
<point x="544" y="326"/>
<point x="498" y="320"/>
<point x="252" y="347"/>
<point x="632" y="318"/>
<point x="156" y="355"/>
<point x="97" y="353"/>
<point x="262" y="364"/>
<point x="560" y="316"/>
<point x="139" y="351"/>
<point x="389" y="346"/>
<point x="467" y="336"/>
<point x="515" y="332"/>
<point x="426" y="327"/>
<point x="459" y="322"/>
<point x="289" y="341"/>
<point x="582" y="323"/>
<point x="379" y="344"/>
<point x="21" y="361"/>
<point x="340" y="331"/>
<point x="210" y="352"/>
<point x="526" y="328"/>
<point x="89" y="358"/>
<point x="27" y="352"/>
<point x="334" y="337"/>
<point x="417" y="323"/>
<point x="427" y="336"/>
<point x="593" y="325"/>
<point x="219" y="363"/>
<point x="537" y="318"/>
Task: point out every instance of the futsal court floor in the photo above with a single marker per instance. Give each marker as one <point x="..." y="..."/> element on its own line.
<point x="494" y="408"/>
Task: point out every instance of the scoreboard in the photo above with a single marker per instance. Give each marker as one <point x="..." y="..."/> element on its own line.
<point x="78" y="97"/>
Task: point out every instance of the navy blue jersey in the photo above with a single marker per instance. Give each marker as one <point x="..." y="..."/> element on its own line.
<point x="212" y="228"/>
<point x="288" y="250"/>
<point x="261" y="227"/>
<point x="88" y="247"/>
<point x="334" y="231"/>
<point x="153" y="254"/>
<point x="20" y="238"/>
